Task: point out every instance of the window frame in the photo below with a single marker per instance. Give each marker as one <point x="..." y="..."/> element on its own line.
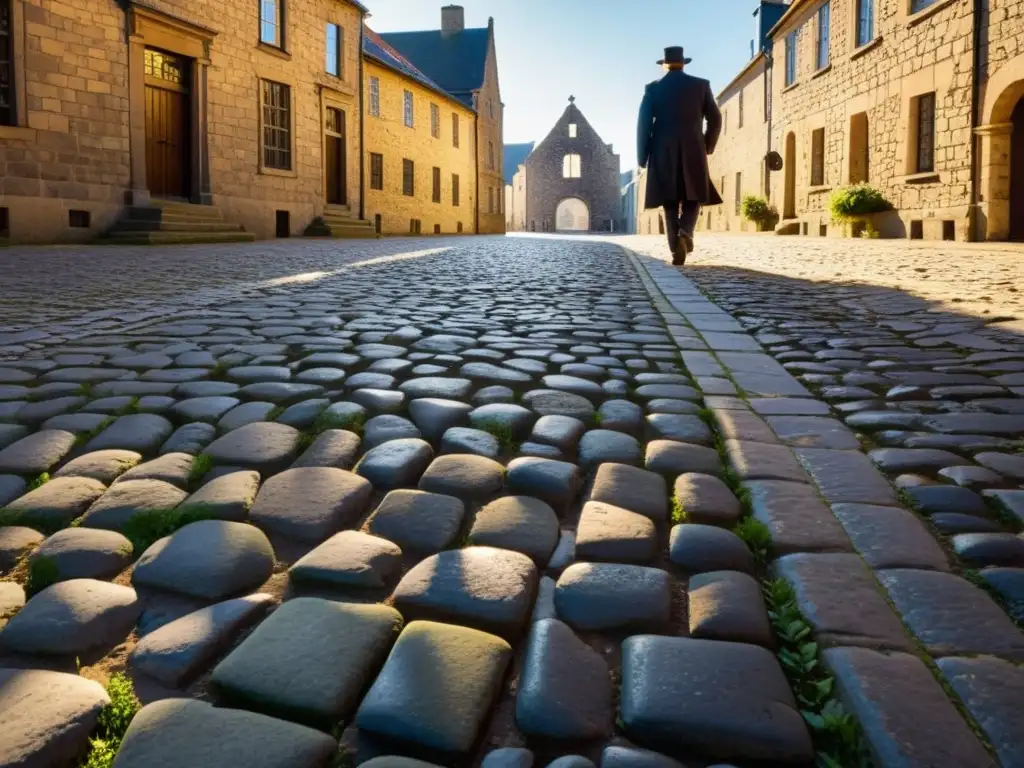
<point x="280" y="38"/>
<point x="376" y="171"/>
<point x="408" y="177"/>
<point x="490" y="155"/>
<point x="924" y="151"/>
<point x="435" y="120"/>
<point x="455" y="130"/>
<point x="11" y="113"/>
<point x="818" y="157"/>
<point x="267" y="124"/>
<point x="823" y="36"/>
<point x="739" y="119"/>
<point x="435" y="192"/>
<point x="455" y="190"/>
<point x="573" y="131"/>
<point x="864" y="23"/>
<point x="374" y="96"/>
<point x="337" y="56"/>
<point x="916" y="6"/>
<point x="738" y="192"/>
<point x="791" y="58"/>
<point x="408" y="109"/>
<point x="569" y="171"/>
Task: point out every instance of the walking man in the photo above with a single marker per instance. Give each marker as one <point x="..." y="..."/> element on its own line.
<point x="673" y="145"/>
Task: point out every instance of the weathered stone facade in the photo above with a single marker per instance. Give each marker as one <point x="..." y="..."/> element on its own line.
<point x="572" y="164"/>
<point x="865" y="103"/>
<point x="490" y="142"/>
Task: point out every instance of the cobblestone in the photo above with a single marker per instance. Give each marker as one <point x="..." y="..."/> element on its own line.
<point x="456" y="428"/>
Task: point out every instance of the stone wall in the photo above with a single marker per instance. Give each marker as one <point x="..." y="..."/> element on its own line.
<point x="388" y="135"/>
<point x="597" y="186"/>
<point x="490" y="133"/>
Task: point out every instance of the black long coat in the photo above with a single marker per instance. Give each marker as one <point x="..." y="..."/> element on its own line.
<point x="672" y="143"/>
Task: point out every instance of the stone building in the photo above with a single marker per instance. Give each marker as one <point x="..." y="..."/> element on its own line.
<point x="571" y="179"/>
<point x="464" y="63"/>
<point x="420" y="148"/>
<point x="895" y="93"/>
<point x="515" y="186"/>
<point x="172" y="120"/>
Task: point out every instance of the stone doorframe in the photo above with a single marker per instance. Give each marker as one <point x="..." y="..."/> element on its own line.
<point x="1002" y="92"/>
<point x="149" y="28"/>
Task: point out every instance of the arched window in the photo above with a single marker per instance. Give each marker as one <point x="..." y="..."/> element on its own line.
<point x="571" y="167"/>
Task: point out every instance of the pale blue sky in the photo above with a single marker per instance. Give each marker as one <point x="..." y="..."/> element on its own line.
<point x="601" y="51"/>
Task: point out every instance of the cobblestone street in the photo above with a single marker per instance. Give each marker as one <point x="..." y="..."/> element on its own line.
<point x="460" y="498"/>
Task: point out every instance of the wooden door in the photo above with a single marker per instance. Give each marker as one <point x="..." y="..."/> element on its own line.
<point x="335" y="157"/>
<point x="1017" y="173"/>
<point x="168" y="120"/>
<point x="789" y="166"/>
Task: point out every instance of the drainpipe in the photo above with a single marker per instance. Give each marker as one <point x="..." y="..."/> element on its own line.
<point x="972" y="217"/>
<point x="768" y="108"/>
<point x="362" y="126"/>
<point x="476" y="166"/>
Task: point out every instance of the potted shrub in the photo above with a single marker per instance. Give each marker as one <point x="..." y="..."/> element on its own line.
<point x="862" y="211"/>
<point x="757" y="210"/>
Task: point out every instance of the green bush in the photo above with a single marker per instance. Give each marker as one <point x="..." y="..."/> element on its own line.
<point x="859" y="200"/>
<point x="757" y="209"/>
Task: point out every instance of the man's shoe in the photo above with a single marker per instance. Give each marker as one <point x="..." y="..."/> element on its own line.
<point x="679" y="254"/>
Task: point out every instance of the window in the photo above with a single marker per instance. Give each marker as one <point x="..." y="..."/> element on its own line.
<point x="408" y="115"/>
<point x="436" y="193"/>
<point x="435" y="121"/>
<point x="490" y="155"/>
<point x="79" y="219"/>
<point x="490" y="109"/>
<point x="458" y="227"/>
<point x="919" y="5"/>
<point x="817" y="157"/>
<point x="725" y="121"/>
<point x="455" y="189"/>
<point x="277" y="126"/>
<point x="7" y="116"/>
<point x="737" y="193"/>
<point x="376" y="171"/>
<point x="455" y="130"/>
<point x="408" y="178"/>
<point x="571" y="167"/>
<point x="490" y="199"/>
<point x="272" y="22"/>
<point x="375" y="96"/>
<point x="335" y="46"/>
<point x="821" y="49"/>
<point x="414" y="226"/>
<point x="740" y="123"/>
<point x="859" y="149"/>
<point x="791" y="58"/>
<point x="572" y="130"/>
<point x="865" y="22"/>
<point x="377" y="223"/>
<point x="925" y="125"/>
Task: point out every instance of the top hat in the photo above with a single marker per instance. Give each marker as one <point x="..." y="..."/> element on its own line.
<point x="674" y="55"/>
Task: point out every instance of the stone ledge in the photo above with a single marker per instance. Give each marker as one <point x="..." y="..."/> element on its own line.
<point x="868" y="46"/>
<point x="925" y="13"/>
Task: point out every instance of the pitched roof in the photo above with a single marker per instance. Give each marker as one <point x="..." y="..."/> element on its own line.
<point x="377" y="49"/>
<point x="454" y="60"/>
<point x="515" y="155"/>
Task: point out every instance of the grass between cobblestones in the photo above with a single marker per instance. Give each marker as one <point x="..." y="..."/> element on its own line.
<point x="147" y="527"/>
<point x="201" y="464"/>
<point x="112" y="723"/>
<point x="501" y="432"/>
<point x="42" y="572"/>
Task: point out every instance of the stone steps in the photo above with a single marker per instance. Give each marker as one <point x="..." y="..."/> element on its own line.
<point x="170" y="223"/>
<point x="339" y="221"/>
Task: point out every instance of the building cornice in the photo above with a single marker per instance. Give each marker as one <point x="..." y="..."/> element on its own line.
<point x="794" y="9"/>
<point x="750" y="65"/>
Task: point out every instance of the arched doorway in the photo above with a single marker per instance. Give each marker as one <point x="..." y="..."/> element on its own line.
<point x="572" y="215"/>
<point x="1017" y="172"/>
<point x="789" y="164"/>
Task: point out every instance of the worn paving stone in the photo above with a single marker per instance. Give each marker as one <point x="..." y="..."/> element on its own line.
<point x="348" y="559"/>
<point x="1003" y="463"/>
<point x="281" y="669"/>
<point x="190" y="438"/>
<point x="472" y="441"/>
<point x="688" y="693"/>
<point x="56" y="503"/>
<point x="205" y="409"/>
<point x="180" y="650"/>
<point x="706" y="499"/>
<point x="914" y="459"/>
<point x="700" y="548"/>
<point x="84" y="553"/>
<point x="228" y="497"/>
<point x="608" y="533"/>
<point x="463" y="476"/>
<point x="514" y="418"/>
<point x="672" y="458"/>
<point x="46" y="718"/>
<point x="1009" y="500"/>
<point x="491" y="589"/>
<point x="104" y="466"/>
<point x="682" y="427"/>
<point x="436" y="687"/>
<point x="126" y="500"/>
<point x="219" y="736"/>
<point x="418" y="521"/>
<point x="11" y="487"/>
<point x="632" y="757"/>
<point x="621" y="416"/>
<point x="846" y="476"/>
<point x="381" y="429"/>
<point x="73" y="618"/>
<point x="556" y="482"/>
<point x="952" y="616"/>
<point x="142" y="432"/>
<point x="905" y="716"/>
<point x="208" y="559"/>
<point x="332" y="448"/>
<point x="890" y="537"/>
<point x="980" y="549"/>
<point x="310" y="503"/>
<point x="937" y="499"/>
<point x="434" y="416"/>
<point x="840" y="599"/>
<point x="266" y="447"/>
<point x="762" y="461"/>
<point x="564" y="691"/>
<point x="727" y="605"/>
<point x="631" y="488"/>
<point x="173" y="468"/>
<point x="563" y="432"/>
<point x="599" y="446"/>
<point x="246" y="413"/>
<point x="796" y="518"/>
<point x="518" y="523"/>
<point x="605" y="596"/>
<point x="15" y="541"/>
<point x="813" y="432"/>
<point x="971" y="477"/>
<point x="36" y="453"/>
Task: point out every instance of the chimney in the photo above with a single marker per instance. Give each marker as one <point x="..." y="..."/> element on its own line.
<point x="453" y="19"/>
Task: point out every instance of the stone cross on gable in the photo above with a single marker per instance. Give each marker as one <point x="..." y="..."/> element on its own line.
<point x="572" y="99"/>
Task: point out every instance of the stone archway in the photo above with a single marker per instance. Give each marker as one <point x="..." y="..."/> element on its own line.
<point x="572" y="215"/>
<point x="1001" y="177"/>
<point x="789" y="168"/>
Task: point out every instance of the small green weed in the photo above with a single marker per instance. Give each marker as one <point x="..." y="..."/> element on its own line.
<point x="502" y="433"/>
<point x="112" y="723"/>
<point x="85" y="389"/>
<point x="678" y="513"/>
<point x="84" y="437"/>
<point x="132" y="407"/>
<point x="39" y="481"/>
<point x="756" y="536"/>
<point x="274" y="413"/>
<point x="218" y="370"/>
<point x="353" y="422"/>
<point x="42" y="572"/>
<point x="201" y="464"/>
<point x="147" y="527"/>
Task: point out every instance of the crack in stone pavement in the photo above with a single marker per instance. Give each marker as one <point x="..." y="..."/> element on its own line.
<point x="458" y="499"/>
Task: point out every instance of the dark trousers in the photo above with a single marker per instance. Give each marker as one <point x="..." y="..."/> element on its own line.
<point x="684" y="221"/>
